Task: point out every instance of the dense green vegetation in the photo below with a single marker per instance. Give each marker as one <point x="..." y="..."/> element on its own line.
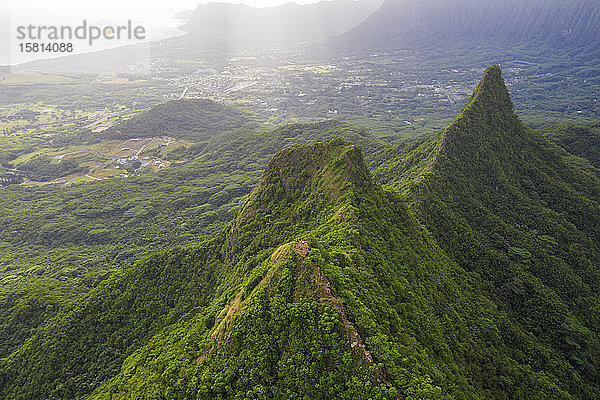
<point x="506" y="206"/>
<point x="123" y="217"/>
<point x="389" y="297"/>
<point x="582" y="140"/>
<point x="25" y="307"/>
<point x="43" y="169"/>
<point x="464" y="267"/>
<point x="81" y="234"/>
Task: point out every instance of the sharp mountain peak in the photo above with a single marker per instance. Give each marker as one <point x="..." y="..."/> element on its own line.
<point x="488" y="119"/>
<point x="321" y="173"/>
<point x="492" y="90"/>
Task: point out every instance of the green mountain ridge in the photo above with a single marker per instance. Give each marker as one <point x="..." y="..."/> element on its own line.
<point x="490" y="106"/>
<point x="504" y="204"/>
<point x="581" y="140"/>
<point x="471" y="274"/>
<point x="68" y="240"/>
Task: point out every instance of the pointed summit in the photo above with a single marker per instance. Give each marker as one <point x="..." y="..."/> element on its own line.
<point x="492" y="92"/>
<point x="487" y="120"/>
<point x="301" y="170"/>
<point x="489" y="99"/>
<point x="297" y="165"/>
<point x="306" y="180"/>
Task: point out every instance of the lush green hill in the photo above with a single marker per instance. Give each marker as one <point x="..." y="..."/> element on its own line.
<point x="581" y="140"/>
<point x="75" y="237"/>
<point x="196" y="120"/>
<point x="342" y="313"/>
<point x="369" y="277"/>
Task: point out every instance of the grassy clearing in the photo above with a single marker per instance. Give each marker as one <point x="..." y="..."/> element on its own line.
<point x="34" y="78"/>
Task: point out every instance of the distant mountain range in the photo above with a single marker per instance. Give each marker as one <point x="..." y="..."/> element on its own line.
<point x="347" y="26"/>
<point x="396" y="23"/>
<point x="219" y="25"/>
<point x="184" y="14"/>
<point x="409" y="23"/>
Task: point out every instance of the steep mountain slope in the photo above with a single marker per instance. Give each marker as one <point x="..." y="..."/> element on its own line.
<point x="506" y="206"/>
<point x="368" y="277"/>
<point x="324" y="285"/>
<point x="71" y="354"/>
<point x="581" y="140"/>
<point x="58" y="241"/>
<point x="405" y="23"/>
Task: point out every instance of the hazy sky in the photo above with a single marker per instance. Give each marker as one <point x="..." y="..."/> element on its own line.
<point x="111" y="7"/>
<point x="21" y="12"/>
<point x="154" y="15"/>
<point x="15" y="13"/>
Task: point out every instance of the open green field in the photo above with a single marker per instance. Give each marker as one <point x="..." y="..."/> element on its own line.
<point x="34" y="78"/>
